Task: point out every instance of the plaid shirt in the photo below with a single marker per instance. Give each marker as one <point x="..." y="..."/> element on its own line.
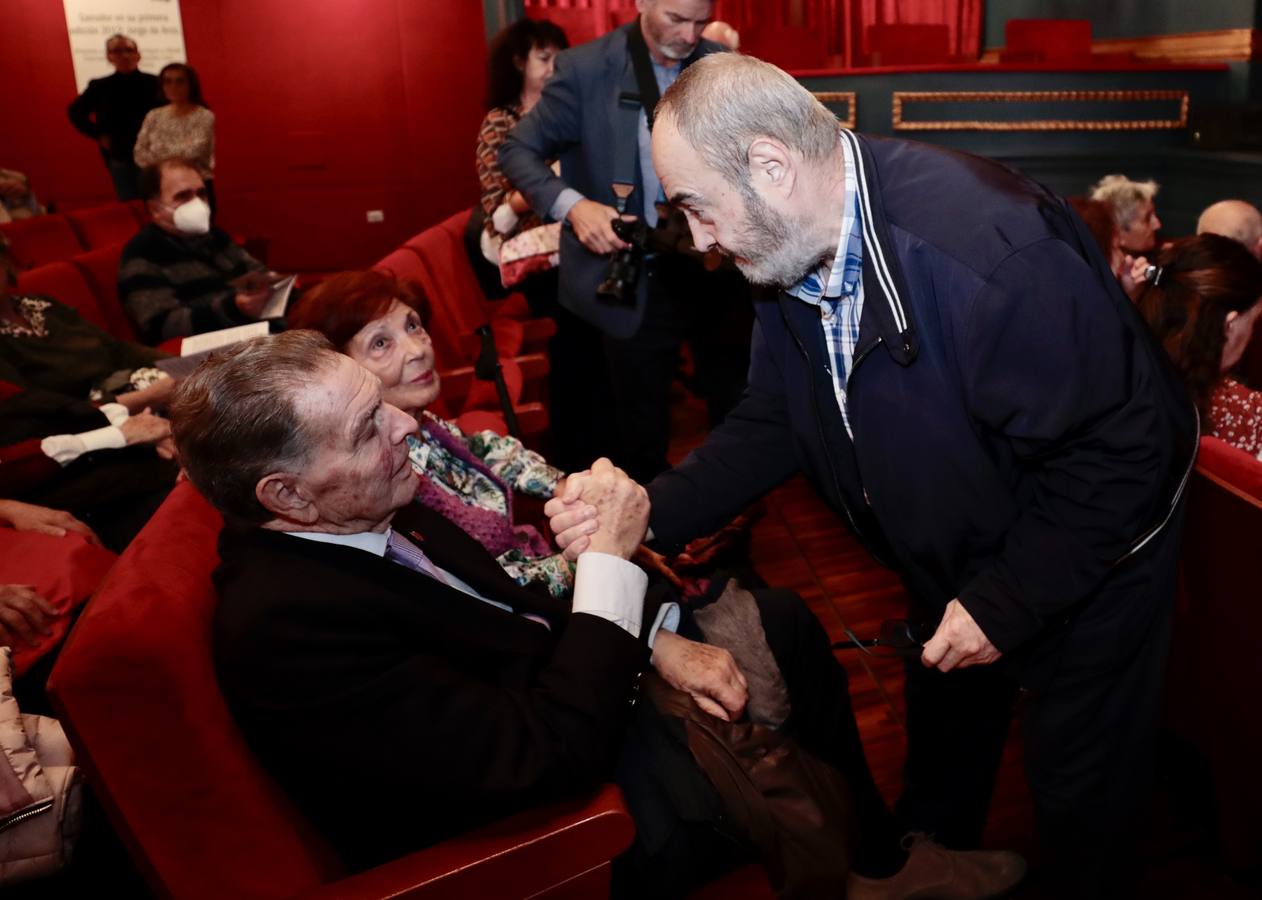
<point x="837" y="290"/>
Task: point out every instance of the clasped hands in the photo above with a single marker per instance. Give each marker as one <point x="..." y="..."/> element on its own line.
<point x="604" y="511"/>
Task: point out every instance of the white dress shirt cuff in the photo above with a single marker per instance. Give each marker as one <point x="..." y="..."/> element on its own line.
<point x="611" y="588"/>
<point x="564" y="202"/>
<point x="66" y="448"/>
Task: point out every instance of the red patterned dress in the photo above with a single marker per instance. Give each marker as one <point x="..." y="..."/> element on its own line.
<point x="1235" y="416"/>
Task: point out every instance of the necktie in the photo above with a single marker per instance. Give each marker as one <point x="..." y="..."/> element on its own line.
<point x="402" y="551"/>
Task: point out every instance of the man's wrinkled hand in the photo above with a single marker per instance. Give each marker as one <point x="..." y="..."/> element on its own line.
<point x="593" y="226"/>
<point x="24" y="614"/>
<point x="958" y="642"/>
<point x="604" y="506"/>
<point x="572" y="521"/>
<point x="145" y="428"/>
<point x="707" y="674"/>
<point x="41" y="519"/>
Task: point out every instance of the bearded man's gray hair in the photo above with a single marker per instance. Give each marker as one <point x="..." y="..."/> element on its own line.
<point x="723" y="102"/>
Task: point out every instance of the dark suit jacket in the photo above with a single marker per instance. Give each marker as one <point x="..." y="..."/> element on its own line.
<point x="576" y="120"/>
<point x="395" y="710"/>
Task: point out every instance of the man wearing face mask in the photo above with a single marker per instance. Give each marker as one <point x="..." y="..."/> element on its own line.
<point x="181" y="275"/>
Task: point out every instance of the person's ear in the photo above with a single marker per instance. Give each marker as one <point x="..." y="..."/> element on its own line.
<point x="284" y="496"/>
<point x="772" y="167"/>
<point x="1256" y="249"/>
<point x="520" y="63"/>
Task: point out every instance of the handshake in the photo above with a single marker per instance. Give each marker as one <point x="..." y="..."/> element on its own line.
<point x="601" y="509"/>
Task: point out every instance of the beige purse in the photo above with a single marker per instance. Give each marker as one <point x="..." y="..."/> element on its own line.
<point x="40" y="790"/>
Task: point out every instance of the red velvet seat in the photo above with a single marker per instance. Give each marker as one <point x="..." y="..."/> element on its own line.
<point x="442" y="250"/>
<point x="135" y="689"/>
<point x="64" y="282"/>
<point x="99" y="269"/>
<point x="39" y="240"/>
<point x="103" y="226"/>
<point x="1215" y="666"/>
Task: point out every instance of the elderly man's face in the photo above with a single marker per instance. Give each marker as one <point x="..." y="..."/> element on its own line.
<point x="1141" y="235"/>
<point x="123" y="55"/>
<point x="672" y="28"/>
<point x="768" y="247"/>
<point x="360" y="474"/>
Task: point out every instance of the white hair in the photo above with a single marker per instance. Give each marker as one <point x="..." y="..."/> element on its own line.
<point x="723" y="102"/>
<point x="1124" y="196"/>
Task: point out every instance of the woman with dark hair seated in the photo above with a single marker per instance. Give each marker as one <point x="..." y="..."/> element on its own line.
<point x="1202" y="302"/>
<point x="379" y="321"/>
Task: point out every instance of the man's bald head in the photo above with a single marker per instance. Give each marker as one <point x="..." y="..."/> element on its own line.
<point x="1235" y="219"/>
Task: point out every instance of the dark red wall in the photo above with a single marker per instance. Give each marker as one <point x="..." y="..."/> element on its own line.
<point x="325" y="109"/>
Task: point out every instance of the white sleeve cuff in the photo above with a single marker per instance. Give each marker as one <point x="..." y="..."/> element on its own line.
<point x="668" y="618"/>
<point x="611" y="588"/>
<point x="504" y="219"/>
<point x="66" y="448"/>
<point x="115" y="412"/>
<point x="562" y="205"/>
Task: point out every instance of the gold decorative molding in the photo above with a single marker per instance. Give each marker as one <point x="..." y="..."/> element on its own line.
<point x="1226" y="45"/>
<point x="850" y="98"/>
<point x="903" y="98"/>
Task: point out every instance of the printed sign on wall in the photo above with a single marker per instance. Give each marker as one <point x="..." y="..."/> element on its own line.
<point x="153" y="24"/>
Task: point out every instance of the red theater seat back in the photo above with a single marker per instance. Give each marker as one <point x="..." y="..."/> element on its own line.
<point x="100" y="270"/>
<point x="136" y="690"/>
<point x="1214" y="654"/>
<point x="103" y="226"/>
<point x="39" y="240"/>
<point x="63" y="282"/>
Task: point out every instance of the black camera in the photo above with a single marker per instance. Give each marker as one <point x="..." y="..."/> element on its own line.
<point x="624" y="268"/>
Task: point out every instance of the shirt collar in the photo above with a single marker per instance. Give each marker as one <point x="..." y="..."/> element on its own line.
<point x="373" y="542"/>
<point x="841" y="277"/>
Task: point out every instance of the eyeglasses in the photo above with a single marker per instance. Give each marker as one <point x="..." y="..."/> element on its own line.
<point x="120" y="50"/>
<point x="897" y="638"/>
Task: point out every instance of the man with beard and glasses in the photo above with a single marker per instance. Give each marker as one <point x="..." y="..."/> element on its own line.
<point x="620" y="355"/>
<point x="953" y="365"/>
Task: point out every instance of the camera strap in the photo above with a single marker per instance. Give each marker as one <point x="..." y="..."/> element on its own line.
<point x="639" y="91"/>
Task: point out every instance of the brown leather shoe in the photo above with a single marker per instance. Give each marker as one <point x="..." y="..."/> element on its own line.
<point x="933" y="872"/>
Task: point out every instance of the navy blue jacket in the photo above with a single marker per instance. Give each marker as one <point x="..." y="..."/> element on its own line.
<point x="1018" y="436"/>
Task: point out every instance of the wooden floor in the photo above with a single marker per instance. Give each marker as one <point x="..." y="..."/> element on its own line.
<point x="798" y="543"/>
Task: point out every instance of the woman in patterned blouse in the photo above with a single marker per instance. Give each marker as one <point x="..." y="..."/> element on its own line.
<point x="184" y="128"/>
<point x="522" y="58"/>
<point x="379" y="321"/>
<point x="1202" y="302"/>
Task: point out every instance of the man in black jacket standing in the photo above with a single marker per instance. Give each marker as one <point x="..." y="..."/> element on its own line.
<point x="112" y="110"/>
<point x="952" y="364"/>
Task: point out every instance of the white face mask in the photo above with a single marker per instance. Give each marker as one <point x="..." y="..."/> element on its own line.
<point x="192" y="217"/>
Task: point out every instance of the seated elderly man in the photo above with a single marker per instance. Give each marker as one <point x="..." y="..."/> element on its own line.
<point x="181" y="275"/>
<point x="1133" y="210"/>
<point x="401" y="687"/>
<point x="1235" y="219"/>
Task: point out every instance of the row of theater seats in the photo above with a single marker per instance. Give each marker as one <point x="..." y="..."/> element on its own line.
<point x="74" y="258"/>
<point x="53" y="238"/>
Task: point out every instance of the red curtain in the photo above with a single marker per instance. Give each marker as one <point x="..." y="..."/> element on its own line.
<point x="962" y="19"/>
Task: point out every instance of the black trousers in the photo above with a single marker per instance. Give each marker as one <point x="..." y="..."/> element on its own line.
<point x="1088" y="722"/>
<point x="681" y="839"/>
<point x="713" y="313"/>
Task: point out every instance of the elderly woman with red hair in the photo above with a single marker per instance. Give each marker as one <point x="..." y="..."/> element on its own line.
<point x="379" y="321"/>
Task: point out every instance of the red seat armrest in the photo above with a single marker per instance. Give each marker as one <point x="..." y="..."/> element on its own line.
<point x="516" y="858"/>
